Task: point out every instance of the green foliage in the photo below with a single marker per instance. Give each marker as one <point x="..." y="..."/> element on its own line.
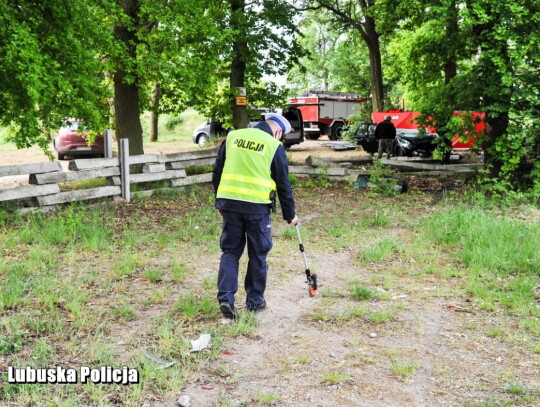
<point x="49" y="70"/>
<point x="475" y="58"/>
<point x="381" y="317"/>
<point x="293" y="178"/>
<point x="381" y="180"/>
<point x="173" y="122"/>
<point x="264" y="34"/>
<point x="404" y="368"/>
<point x="11" y="344"/>
<point x="74" y="225"/>
<point x="337" y="60"/>
<point x="379" y="251"/>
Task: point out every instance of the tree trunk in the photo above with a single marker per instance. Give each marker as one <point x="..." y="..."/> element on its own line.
<point x="496" y="127"/>
<point x="154" y="113"/>
<point x="452" y="34"/>
<point x="375" y="70"/>
<point x="375" y="64"/>
<point x="238" y="65"/>
<point x="126" y="93"/>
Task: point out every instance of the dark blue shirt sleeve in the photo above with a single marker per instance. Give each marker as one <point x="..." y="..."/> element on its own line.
<point x="217" y="169"/>
<point x="280" y="174"/>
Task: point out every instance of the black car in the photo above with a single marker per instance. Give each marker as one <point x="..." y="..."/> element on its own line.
<point x="365" y="136"/>
<point x="410" y="143"/>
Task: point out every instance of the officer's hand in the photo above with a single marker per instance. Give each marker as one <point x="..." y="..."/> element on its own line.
<point x="294" y="221"/>
<point x="220" y="212"/>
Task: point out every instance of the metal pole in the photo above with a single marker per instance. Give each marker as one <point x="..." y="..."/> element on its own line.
<point x="124" y="169"/>
<point x="301" y="246"/>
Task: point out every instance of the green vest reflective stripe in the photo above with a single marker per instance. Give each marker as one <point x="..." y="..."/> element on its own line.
<point x="246" y="174"/>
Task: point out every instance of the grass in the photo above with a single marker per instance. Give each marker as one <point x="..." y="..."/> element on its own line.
<point x="191" y="306"/>
<point x="382" y="250"/>
<point x="77" y="283"/>
<point x="493" y="332"/>
<point x="330" y="378"/>
<point x="404" y="368"/>
<point x="173" y="128"/>
<point x="153" y="275"/>
<point x="380" y="317"/>
<point x="82" y="184"/>
<point x="361" y="293"/>
<point x="267" y="398"/>
<point x="514" y="388"/>
<point x="499" y="253"/>
<point x="376" y="220"/>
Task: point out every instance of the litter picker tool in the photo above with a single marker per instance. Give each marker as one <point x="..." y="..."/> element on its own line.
<point x="311" y="278"/>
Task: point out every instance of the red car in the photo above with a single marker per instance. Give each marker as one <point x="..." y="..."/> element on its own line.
<point x="71" y="140"/>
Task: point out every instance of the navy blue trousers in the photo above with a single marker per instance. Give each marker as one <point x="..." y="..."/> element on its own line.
<point x="239" y="228"/>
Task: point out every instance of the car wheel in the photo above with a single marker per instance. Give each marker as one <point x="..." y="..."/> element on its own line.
<point x="336" y="131"/>
<point x="202" y="140"/>
<point x="60" y="156"/>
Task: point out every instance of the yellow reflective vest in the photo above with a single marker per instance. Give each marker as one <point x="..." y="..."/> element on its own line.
<point x="246" y="174"/>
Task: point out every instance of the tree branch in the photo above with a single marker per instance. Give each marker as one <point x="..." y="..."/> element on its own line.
<point x="345" y="17"/>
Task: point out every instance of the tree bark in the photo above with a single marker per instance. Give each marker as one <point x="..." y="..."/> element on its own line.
<point x="451" y="32"/>
<point x="376" y="74"/>
<point x="126" y="86"/>
<point x="238" y="65"/>
<point x="371" y="38"/>
<point x="154" y="113"/>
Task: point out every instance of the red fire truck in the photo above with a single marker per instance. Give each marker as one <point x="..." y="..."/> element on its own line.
<point x="325" y="113"/>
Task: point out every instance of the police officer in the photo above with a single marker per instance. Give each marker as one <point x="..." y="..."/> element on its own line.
<point x="251" y="166"/>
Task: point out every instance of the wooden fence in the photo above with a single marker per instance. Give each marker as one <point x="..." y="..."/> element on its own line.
<point x="47" y="179"/>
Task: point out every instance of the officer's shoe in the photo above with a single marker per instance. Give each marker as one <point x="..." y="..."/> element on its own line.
<point x="256" y="307"/>
<point x="228" y="310"/>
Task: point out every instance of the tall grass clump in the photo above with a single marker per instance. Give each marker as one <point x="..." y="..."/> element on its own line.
<point x="487" y="241"/>
<point x="500" y="254"/>
<point x="380" y="251"/>
<point x="76" y="225"/>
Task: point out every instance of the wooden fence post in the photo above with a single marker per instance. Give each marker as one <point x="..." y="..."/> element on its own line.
<point x="124" y="169"/>
<point x="107" y="143"/>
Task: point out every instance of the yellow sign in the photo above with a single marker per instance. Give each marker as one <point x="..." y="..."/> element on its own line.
<point x="241" y="101"/>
